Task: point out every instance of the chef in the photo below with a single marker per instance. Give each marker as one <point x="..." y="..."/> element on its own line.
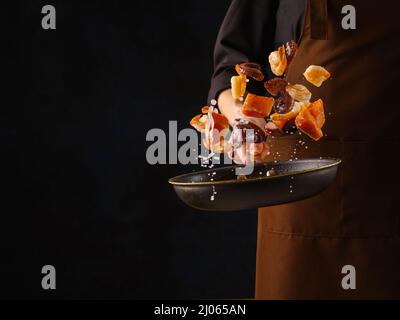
<point x="345" y="242"/>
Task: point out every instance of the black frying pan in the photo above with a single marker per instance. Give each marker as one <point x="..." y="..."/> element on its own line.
<point x="288" y="181"/>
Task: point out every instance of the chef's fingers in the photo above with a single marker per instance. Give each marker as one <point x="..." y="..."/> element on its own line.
<point x="257" y="153"/>
<point x="234" y="157"/>
<point x="256" y="149"/>
<point x="264" y="155"/>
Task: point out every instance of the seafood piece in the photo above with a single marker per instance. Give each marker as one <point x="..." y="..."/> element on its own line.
<point x="199" y="122"/>
<point x="284" y="103"/>
<point x="239" y="72"/>
<point x="317" y="110"/>
<point x="290" y="115"/>
<point x="276" y="85"/>
<point x="257" y="106"/>
<point x="311" y="119"/>
<point x="316" y="75"/>
<point x="238" y="84"/>
<point x="247" y="139"/>
<point x="205" y="109"/>
<point x="216" y="129"/>
<point x="291" y="50"/>
<point x="220" y="121"/>
<point x="305" y="122"/>
<point x="243" y="130"/>
<point x="250" y="69"/>
<point x="278" y="61"/>
<point x="280" y="127"/>
<point x="299" y="92"/>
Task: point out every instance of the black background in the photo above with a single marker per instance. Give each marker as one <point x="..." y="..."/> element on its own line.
<point x="79" y="194"/>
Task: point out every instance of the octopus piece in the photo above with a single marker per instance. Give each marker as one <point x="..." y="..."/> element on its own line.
<point x="298" y="106"/>
<point x="275" y="86"/>
<point x="243" y="130"/>
<point x="291" y="51"/>
<point x="250" y="69"/>
<point x="284" y="103"/>
<point x="247" y="139"/>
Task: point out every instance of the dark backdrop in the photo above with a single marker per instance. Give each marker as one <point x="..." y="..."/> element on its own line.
<point x="79" y="194"/>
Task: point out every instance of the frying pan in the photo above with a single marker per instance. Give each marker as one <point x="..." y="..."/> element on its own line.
<point x="271" y="183"/>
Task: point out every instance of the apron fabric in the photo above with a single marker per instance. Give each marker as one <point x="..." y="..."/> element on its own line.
<point x="303" y="246"/>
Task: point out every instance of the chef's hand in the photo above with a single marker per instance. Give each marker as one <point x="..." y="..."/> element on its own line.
<point x="259" y="156"/>
<point x="257" y="152"/>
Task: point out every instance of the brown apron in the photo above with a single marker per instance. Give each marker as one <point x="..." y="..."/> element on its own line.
<point x="303" y="246"/>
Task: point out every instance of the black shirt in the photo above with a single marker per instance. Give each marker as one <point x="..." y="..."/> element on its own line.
<point x="250" y="31"/>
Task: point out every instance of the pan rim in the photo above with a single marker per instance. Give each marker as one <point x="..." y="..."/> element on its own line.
<point x="336" y="162"/>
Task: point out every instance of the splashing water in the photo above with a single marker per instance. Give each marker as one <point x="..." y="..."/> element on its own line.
<point x="214" y="192"/>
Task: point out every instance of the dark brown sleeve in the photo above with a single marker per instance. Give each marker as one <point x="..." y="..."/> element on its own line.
<point x="246" y="34"/>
